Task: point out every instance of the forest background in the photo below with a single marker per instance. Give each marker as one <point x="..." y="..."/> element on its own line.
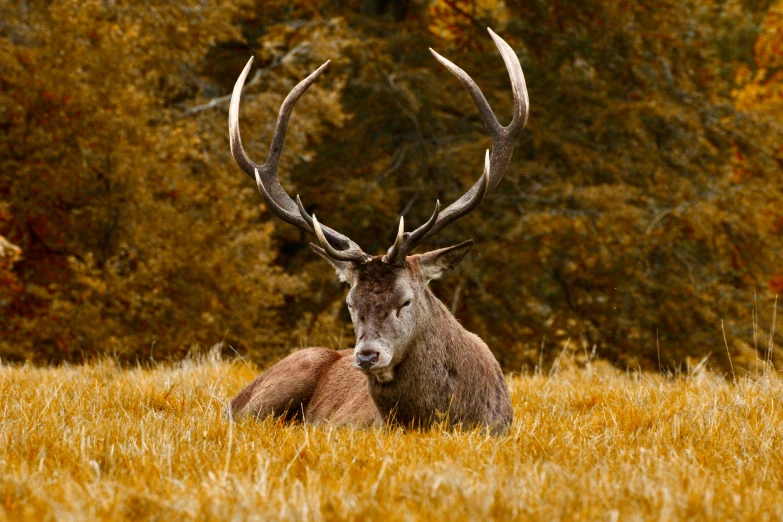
<point x="640" y="218"/>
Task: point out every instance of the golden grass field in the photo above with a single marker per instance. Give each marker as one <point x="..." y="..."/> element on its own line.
<point x="99" y="442"/>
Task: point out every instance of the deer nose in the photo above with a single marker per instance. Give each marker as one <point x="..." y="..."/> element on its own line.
<point x="366" y="360"/>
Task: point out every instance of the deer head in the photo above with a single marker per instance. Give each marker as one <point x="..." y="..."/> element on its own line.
<point x="389" y="300"/>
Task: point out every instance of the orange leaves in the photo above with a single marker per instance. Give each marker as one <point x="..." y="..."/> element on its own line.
<point x="761" y="90"/>
<point x="738" y="166"/>
<point x="776" y="284"/>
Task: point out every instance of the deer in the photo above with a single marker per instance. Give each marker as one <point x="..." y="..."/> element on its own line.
<point x="413" y="364"/>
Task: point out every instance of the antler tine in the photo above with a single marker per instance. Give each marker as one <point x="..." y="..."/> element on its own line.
<point x="265" y="175"/>
<point x="303" y="212"/>
<point x="393" y="252"/>
<point x="354" y="254"/>
<point x="518" y="85"/>
<point x="407" y="241"/>
<point x="503" y="141"/>
<point x="416" y="235"/>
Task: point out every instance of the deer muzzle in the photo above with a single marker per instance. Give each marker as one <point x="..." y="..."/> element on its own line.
<point x="367" y="359"/>
<point x="371" y="355"/>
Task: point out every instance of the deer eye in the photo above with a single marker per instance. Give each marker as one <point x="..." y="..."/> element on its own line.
<point x="406" y="303"/>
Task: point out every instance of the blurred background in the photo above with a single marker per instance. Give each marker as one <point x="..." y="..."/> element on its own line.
<point x="640" y="220"/>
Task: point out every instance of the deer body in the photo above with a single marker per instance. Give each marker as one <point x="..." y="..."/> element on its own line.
<point x="315" y="385"/>
<point x="413" y="363"/>
<point x="442" y="371"/>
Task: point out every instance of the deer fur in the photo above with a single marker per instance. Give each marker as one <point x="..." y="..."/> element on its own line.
<point x="315" y="385"/>
<point x="440" y="372"/>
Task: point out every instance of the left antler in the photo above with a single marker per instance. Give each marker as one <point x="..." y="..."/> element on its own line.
<point x="266" y="175"/>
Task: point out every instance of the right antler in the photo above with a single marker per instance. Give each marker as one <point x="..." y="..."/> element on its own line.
<point x="503" y="140"/>
<point x="265" y="175"/>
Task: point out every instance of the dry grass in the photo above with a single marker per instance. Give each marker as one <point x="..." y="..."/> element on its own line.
<point x="97" y="442"/>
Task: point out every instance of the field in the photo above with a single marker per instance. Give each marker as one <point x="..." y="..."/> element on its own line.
<point x="100" y="442"/>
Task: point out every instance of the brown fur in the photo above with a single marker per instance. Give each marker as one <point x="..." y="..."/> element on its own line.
<point x="342" y="396"/>
<point x="315" y="385"/>
<point x="440" y="371"/>
<point x="446" y="370"/>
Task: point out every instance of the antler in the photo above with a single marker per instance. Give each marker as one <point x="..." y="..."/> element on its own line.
<point x="265" y="175"/>
<point x="278" y="200"/>
<point x="503" y="141"/>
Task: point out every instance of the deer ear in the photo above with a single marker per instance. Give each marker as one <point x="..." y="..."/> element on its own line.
<point x="438" y="263"/>
<point x="341" y="267"/>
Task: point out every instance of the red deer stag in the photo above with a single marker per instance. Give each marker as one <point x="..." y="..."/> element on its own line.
<point x="413" y="362"/>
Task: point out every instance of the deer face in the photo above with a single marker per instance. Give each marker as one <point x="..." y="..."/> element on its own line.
<point x="390" y="304"/>
<point x="381" y="303"/>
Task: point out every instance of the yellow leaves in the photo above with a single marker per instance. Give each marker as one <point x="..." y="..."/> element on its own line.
<point x="743" y="75"/>
<point x="769" y="46"/>
<point x="762" y="90"/>
<point x="331" y="110"/>
<point x="9" y="254"/>
<point x="455" y="20"/>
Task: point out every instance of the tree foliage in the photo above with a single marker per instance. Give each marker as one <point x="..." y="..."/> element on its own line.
<point x="138" y="238"/>
<point x="639" y="214"/>
<point x="760" y="82"/>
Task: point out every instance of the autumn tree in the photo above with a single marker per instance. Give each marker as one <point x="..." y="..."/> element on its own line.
<point x="760" y="90"/>
<point x="139" y="239"/>
<point x="635" y="219"/>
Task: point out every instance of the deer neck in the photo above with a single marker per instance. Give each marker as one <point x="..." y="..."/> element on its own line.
<point x="431" y="373"/>
<point x="437" y="326"/>
<point x="438" y="346"/>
